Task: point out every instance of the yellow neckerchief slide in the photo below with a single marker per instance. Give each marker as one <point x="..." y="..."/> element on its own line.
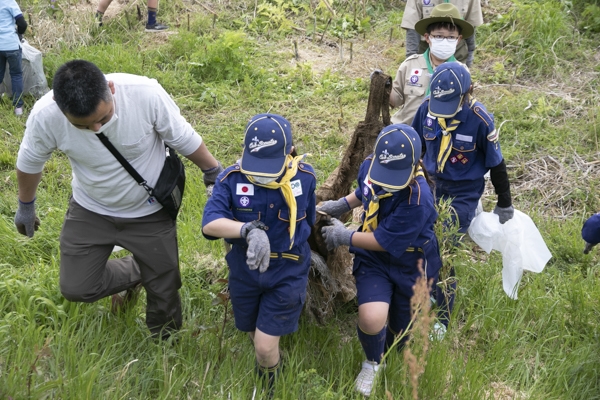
<point x="446" y="143"/>
<point x="371" y="218"/>
<point x="286" y="190"/>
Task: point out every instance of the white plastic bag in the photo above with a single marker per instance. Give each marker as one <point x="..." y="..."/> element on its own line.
<point x="519" y="241"/>
<point x="34" y="80"/>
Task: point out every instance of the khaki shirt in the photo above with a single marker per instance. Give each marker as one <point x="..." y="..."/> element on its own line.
<point x="415" y="10"/>
<point x="409" y="88"/>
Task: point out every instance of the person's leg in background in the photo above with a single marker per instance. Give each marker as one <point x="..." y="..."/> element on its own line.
<point x="102" y="6"/>
<point x="153" y="25"/>
<point x="15" y="69"/>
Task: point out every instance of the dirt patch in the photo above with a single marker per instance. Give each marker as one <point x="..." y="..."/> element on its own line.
<point x="352" y="59"/>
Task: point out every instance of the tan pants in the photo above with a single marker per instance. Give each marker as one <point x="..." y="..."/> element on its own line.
<point x="87" y="275"/>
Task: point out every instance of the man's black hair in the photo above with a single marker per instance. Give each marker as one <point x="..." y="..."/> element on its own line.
<point x="444" y="25"/>
<point x="79" y="86"/>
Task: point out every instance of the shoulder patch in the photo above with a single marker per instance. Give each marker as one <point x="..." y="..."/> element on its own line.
<point x="230" y="170"/>
<point x="482" y="113"/>
<point x="493" y="136"/>
<point x="307" y="168"/>
<point x="415" y="192"/>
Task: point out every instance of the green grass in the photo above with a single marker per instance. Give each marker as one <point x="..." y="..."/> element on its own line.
<point x="535" y="69"/>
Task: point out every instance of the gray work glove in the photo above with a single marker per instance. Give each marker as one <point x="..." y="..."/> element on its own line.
<point x="334" y="208"/>
<point x="588" y="247"/>
<point x="210" y="175"/>
<point x="504" y="213"/>
<point x="209" y="190"/>
<point x="258" y="254"/>
<point x="25" y="220"/>
<point x="336" y="234"/>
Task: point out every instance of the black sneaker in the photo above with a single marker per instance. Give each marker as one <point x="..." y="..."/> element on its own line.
<point x="157" y="27"/>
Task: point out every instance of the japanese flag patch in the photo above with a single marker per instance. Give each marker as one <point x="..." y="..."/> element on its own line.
<point x="417" y="72"/>
<point x="244" y="189"/>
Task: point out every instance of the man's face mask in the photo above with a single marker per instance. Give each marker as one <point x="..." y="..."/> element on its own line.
<point x="263" y="180"/>
<point x="103" y="110"/>
<point x="442" y="48"/>
<point x="104" y="127"/>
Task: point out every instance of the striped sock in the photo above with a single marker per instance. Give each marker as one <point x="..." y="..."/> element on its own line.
<point x="373" y="345"/>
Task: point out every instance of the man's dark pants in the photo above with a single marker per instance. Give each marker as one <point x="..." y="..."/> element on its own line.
<point x="86" y="273"/>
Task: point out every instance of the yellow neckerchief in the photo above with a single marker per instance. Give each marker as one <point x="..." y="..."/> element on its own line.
<point x="446" y="144"/>
<point x="371" y="218"/>
<point x="286" y="190"/>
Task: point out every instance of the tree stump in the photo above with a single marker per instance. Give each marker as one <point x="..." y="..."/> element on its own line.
<point x="331" y="283"/>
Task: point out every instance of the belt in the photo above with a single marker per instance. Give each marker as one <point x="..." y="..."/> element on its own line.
<point x="289" y="256"/>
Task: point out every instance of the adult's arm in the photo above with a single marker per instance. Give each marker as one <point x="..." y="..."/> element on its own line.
<point x="28" y="184"/>
<point x="203" y="158"/>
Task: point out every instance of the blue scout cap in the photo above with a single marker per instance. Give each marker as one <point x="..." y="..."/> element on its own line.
<point x="397" y="151"/>
<point x="591" y="229"/>
<point x="449" y="83"/>
<point x="267" y="142"/>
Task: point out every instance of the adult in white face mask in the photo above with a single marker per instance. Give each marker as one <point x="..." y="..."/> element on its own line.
<point x="108" y="207"/>
<point x="442" y="30"/>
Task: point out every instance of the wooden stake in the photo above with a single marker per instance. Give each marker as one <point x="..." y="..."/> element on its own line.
<point x="296" y="56"/>
<point x="325" y="30"/>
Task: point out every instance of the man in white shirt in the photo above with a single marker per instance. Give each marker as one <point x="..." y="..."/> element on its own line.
<point x="108" y="208"/>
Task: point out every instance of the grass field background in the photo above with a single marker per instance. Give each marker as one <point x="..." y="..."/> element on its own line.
<point x="536" y="69"/>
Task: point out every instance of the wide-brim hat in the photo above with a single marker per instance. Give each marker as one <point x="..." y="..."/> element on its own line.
<point x="591" y="229"/>
<point x="267" y="142"/>
<point x="445" y="12"/>
<point x="449" y="84"/>
<point x="397" y="151"/>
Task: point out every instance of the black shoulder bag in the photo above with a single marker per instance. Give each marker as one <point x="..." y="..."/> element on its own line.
<point x="169" y="187"/>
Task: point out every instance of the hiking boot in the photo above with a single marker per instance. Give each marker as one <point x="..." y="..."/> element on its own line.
<point x="125" y="300"/>
<point x="18" y="111"/>
<point x="157" y="27"/>
<point x="366" y="377"/>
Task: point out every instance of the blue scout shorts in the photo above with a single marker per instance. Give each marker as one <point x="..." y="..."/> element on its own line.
<point x="392" y="284"/>
<point x="271" y="301"/>
<point x="465" y="195"/>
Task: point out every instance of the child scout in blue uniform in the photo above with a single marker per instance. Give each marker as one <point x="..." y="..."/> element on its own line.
<point x="460" y="145"/>
<point x="395" y="237"/>
<point x="591" y="232"/>
<point x="265" y="207"/>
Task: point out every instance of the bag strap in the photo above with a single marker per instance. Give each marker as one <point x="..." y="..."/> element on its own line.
<point x="138" y="178"/>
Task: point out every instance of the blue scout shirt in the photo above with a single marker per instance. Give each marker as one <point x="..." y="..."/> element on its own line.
<point x="406" y="220"/>
<point x="234" y="197"/>
<point x="9" y="40"/>
<point x="475" y="147"/>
